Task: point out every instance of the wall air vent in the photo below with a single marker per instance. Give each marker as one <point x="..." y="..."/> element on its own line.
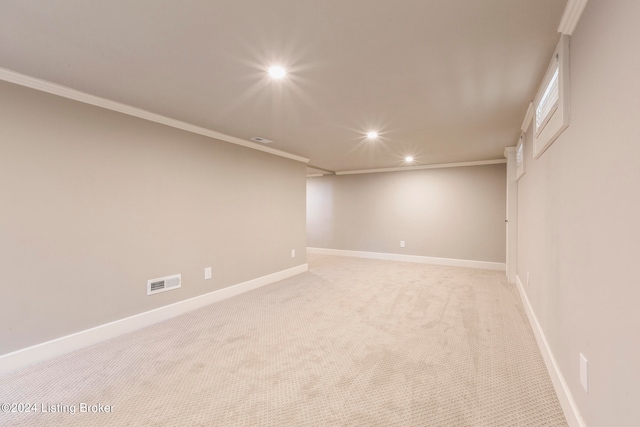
<point x="260" y="139"/>
<point x="162" y="284"/>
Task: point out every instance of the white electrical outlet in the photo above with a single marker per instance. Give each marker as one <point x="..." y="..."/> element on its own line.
<point x="402" y="243"/>
<point x="207" y="273"/>
<point x="584" y="372"/>
<point x="293" y="253"/>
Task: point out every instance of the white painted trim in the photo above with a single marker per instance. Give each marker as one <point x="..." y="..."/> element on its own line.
<point x="557" y="120"/>
<point x="66" y="92"/>
<point x="571" y="16"/>
<point x="314" y="175"/>
<point x="571" y="412"/>
<point x="511" y="215"/>
<point x="527" y="118"/>
<point x="509" y="150"/>
<point x="485" y="265"/>
<point x="433" y="166"/>
<point x="78" y="340"/>
<point x="323" y="171"/>
<point x="520" y="157"/>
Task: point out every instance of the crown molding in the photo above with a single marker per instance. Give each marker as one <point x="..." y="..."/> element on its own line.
<point x="509" y="151"/>
<point x="572" y="13"/>
<point x="322" y="170"/>
<point x="76" y="95"/>
<point x="433" y="166"/>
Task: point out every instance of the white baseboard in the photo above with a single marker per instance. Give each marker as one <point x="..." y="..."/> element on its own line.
<point x="66" y="344"/>
<point x="569" y="407"/>
<point x="486" y="265"/>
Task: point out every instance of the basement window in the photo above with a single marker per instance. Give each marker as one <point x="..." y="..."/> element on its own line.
<point x="520" y="157"/>
<point x="552" y="100"/>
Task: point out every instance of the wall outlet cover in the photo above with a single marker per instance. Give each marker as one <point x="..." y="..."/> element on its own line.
<point x="207" y="273"/>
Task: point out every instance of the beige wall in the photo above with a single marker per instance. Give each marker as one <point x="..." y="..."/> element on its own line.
<point x="579" y="210"/>
<point x="449" y="213"/>
<point x="94" y="203"/>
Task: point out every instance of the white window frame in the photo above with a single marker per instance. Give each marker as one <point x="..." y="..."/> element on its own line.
<point x="547" y="129"/>
<point x="520" y="157"/>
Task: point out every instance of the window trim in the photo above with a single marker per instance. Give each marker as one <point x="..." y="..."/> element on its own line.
<point x="555" y="76"/>
<point x="557" y="120"/>
<point x="520" y="157"/>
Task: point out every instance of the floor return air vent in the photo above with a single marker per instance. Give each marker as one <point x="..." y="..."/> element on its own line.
<point x="162" y="284"/>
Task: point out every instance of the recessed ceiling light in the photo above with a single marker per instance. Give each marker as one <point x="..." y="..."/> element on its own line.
<point x="277" y="72"/>
<point x="372" y="134"/>
<point x="408" y="159"/>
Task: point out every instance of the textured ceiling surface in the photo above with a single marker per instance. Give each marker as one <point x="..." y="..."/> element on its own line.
<point x="441" y="80"/>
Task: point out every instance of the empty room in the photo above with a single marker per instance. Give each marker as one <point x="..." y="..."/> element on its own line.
<point x="319" y="213"/>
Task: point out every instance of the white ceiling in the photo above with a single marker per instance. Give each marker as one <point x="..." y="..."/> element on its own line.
<point x="442" y="80"/>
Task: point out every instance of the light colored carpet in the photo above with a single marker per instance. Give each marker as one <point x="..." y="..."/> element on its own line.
<point x="353" y="342"/>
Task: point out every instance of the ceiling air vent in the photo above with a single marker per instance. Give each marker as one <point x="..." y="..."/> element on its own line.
<point x="260" y="139"/>
<point x="162" y="284"/>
